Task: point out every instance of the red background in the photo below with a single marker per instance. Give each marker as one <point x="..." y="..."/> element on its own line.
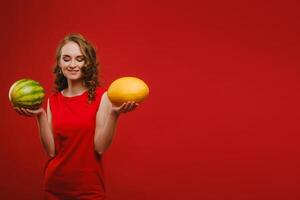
<point x="221" y="121"/>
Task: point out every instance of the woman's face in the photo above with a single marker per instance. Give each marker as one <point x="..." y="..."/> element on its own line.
<point x="71" y="61"/>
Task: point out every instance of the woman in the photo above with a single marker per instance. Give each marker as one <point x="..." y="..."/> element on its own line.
<point x="79" y="124"/>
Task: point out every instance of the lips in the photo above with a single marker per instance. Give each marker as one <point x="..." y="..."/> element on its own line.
<point x="73" y="71"/>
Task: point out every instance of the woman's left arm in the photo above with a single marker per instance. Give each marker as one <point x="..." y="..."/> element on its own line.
<point x="106" y="122"/>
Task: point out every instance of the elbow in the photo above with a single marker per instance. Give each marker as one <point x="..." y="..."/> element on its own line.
<point x="101" y="148"/>
<point x="51" y="154"/>
<point x="100" y="152"/>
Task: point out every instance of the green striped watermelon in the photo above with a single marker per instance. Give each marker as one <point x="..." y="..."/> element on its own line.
<point x="26" y="93"/>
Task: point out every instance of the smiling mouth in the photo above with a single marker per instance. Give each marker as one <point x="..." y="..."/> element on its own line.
<point x="73" y="70"/>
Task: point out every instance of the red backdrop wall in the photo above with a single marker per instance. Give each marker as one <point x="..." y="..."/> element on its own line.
<point x="221" y="122"/>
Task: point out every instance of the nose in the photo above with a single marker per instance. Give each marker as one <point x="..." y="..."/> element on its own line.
<point x="73" y="63"/>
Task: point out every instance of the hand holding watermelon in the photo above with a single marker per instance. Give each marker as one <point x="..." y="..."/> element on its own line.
<point x="26" y="96"/>
<point x="29" y="113"/>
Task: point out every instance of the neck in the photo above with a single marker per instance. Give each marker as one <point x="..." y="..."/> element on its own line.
<point x="75" y="88"/>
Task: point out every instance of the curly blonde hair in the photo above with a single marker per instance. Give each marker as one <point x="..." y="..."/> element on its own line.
<point x="89" y="70"/>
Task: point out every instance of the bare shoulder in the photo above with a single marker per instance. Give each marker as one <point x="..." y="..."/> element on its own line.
<point x="104" y="98"/>
<point x="105" y="103"/>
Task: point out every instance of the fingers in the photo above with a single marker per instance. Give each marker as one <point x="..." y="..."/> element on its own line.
<point x="30" y="112"/>
<point x="128" y="107"/>
<point x="123" y="107"/>
<point x="18" y="110"/>
<point x="134" y="105"/>
<point x="34" y="112"/>
<point x="25" y="112"/>
<point x="21" y="111"/>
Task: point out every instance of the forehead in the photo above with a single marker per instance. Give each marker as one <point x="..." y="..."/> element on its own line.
<point x="71" y="49"/>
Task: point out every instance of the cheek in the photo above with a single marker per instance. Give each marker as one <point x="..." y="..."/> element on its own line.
<point x="81" y="64"/>
<point x="62" y="64"/>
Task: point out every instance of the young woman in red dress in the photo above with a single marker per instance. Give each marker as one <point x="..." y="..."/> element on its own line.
<point x="79" y="124"/>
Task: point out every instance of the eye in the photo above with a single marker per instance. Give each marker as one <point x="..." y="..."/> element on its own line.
<point x="80" y="59"/>
<point x="66" y="58"/>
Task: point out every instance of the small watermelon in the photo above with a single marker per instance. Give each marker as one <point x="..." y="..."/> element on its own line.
<point x="127" y="89"/>
<point x="26" y="93"/>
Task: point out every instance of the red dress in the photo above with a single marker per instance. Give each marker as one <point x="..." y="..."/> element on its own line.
<point x="75" y="172"/>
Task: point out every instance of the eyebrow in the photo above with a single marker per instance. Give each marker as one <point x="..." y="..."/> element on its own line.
<point x="66" y="55"/>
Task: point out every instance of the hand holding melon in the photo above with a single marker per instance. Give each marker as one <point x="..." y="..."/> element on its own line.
<point x="127" y="92"/>
<point x="26" y="96"/>
<point x="29" y="113"/>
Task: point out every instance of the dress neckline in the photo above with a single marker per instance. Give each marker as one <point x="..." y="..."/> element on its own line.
<point x="73" y="97"/>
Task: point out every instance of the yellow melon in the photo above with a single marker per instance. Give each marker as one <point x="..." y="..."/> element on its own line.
<point x="127" y="89"/>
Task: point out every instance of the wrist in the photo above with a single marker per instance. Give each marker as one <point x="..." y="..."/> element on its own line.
<point x="40" y="114"/>
<point x="115" y="113"/>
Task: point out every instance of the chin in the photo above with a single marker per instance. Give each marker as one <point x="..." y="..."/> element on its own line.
<point x="74" y="78"/>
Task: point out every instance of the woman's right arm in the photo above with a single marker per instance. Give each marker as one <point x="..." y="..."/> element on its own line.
<point x="44" y="121"/>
